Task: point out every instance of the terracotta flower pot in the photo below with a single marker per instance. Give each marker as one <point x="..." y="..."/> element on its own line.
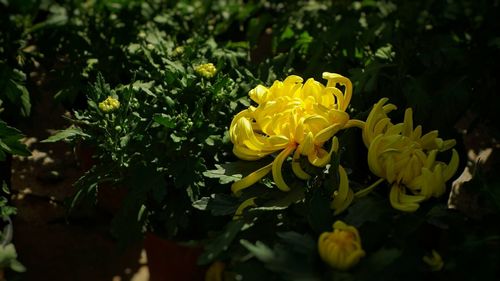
<point x="171" y="261"/>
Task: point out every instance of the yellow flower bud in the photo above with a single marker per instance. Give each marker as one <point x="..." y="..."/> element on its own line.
<point x="179" y="50"/>
<point x="341" y="249"/>
<point x="434" y="261"/>
<point x="109" y="104"/>
<point x="206" y="70"/>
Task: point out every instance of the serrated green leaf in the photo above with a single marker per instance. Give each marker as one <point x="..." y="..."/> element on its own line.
<point x="221" y="243"/>
<point x="201" y="204"/>
<point x="66" y="135"/>
<point x="284" y="201"/>
<point x="165" y="120"/>
<point x="234" y="171"/>
<point x="221" y="174"/>
<point x="223" y="205"/>
<point x="144" y="86"/>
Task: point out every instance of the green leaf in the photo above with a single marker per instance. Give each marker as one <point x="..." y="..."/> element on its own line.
<point x="259" y="250"/>
<point x="385" y="53"/>
<point x="294" y="258"/>
<point x="221" y="243"/>
<point x="305" y="39"/>
<point x="10" y="141"/>
<point x="11" y="85"/>
<point x="319" y="214"/>
<point x="221" y="174"/>
<point x="165" y="120"/>
<point x="17" y="266"/>
<point x="287" y="33"/>
<point x="369" y="208"/>
<point x="201" y="204"/>
<point x="222" y="204"/>
<point x="234" y="171"/>
<point x="383" y="258"/>
<point x="144" y="86"/>
<point x="283" y="201"/>
<point x="66" y="135"/>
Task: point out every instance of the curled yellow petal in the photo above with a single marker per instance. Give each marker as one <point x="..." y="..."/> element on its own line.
<point x="355" y="123"/>
<point x="326" y="134"/>
<point x="447" y="144"/>
<point x="333" y="79"/>
<point x="429" y="140"/>
<point x="408" y="123"/>
<point x="259" y="94"/>
<point x="452" y="167"/>
<point x="396" y="203"/>
<point x="249" y="180"/>
<point x="375" y="167"/>
<point x="297" y="169"/>
<point x="342" y="197"/>
<point x="245" y="204"/>
<point x="276" y="168"/>
<point x="434" y="261"/>
<point x="247" y="154"/>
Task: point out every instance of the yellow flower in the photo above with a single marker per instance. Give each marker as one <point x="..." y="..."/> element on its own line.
<point x="109" y="104"/>
<point x="403" y="157"/>
<point x="341" y="249"/>
<point x="206" y="70"/>
<point x="291" y="117"/>
<point x="215" y="272"/>
<point x="434" y="261"/>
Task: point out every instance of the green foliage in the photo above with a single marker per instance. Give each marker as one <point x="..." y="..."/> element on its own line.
<point x="13" y="92"/>
<point x="221" y="243"/>
<point x="8" y="258"/>
<point x="171" y="121"/>
<point x="10" y="142"/>
<point x="8" y="254"/>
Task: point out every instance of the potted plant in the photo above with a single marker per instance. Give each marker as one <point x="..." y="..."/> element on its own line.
<point x="154" y="137"/>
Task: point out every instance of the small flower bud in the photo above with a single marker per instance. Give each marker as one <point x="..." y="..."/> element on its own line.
<point x="341" y="249"/>
<point x="206" y="70"/>
<point x="109" y="104"/>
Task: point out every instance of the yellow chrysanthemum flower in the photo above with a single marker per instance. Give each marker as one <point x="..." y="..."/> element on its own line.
<point x="434" y="261"/>
<point x="291" y="117"/>
<point x="215" y="272"/>
<point x="341" y="249"/>
<point x="109" y="104"/>
<point x="403" y="157"/>
<point x="206" y="70"/>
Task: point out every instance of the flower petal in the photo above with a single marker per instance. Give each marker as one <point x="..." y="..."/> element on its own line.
<point x="452" y="167"/>
<point x="276" y="168"/>
<point x="297" y="168"/>
<point x="249" y="180"/>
